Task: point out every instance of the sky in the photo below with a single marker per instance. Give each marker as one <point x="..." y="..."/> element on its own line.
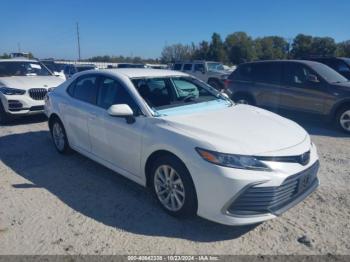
<point x="142" y="28"/>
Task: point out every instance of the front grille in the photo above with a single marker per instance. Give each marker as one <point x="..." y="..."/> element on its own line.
<point x="260" y="200"/>
<point x="38" y="93"/>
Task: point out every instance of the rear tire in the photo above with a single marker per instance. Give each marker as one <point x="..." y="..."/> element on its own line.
<point x="343" y="119"/>
<point x="59" y="137"/>
<point x="172" y="185"/>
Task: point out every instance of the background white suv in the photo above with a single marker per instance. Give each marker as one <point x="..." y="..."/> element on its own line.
<point x="213" y="73"/>
<point x="23" y="87"/>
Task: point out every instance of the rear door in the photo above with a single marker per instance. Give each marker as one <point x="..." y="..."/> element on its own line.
<point x="267" y="81"/>
<point x="299" y="92"/>
<point x="80" y="109"/>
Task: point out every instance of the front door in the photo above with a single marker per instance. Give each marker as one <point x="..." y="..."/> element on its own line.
<point x="113" y="139"/>
<point x="303" y="89"/>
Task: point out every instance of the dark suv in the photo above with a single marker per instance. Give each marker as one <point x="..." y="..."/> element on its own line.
<point x="297" y="85"/>
<point x="339" y="64"/>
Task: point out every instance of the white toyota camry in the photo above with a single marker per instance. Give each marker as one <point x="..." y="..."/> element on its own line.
<point x="198" y="151"/>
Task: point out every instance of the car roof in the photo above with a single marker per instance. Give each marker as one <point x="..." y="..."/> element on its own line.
<point x="19" y="60"/>
<point x="306" y="62"/>
<point x="144" y="72"/>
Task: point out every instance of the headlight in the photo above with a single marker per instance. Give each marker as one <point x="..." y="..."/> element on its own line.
<point x="234" y="161"/>
<point x="11" y="91"/>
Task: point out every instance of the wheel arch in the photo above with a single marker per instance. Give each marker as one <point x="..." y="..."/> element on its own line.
<point x="338" y="106"/>
<point x="152" y="157"/>
<point x="53" y="117"/>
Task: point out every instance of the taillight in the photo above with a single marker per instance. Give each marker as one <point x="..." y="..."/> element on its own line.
<point x="227" y="83"/>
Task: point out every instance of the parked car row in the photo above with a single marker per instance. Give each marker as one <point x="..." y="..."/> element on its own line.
<point x="198" y="151"/>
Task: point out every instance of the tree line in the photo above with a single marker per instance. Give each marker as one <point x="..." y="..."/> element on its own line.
<point x="239" y="47"/>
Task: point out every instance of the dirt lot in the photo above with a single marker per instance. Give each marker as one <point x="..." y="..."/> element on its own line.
<point x="53" y="204"/>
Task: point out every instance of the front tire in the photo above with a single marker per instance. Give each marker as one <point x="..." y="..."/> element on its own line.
<point x="59" y="137"/>
<point x="173" y="187"/>
<point x="343" y="119"/>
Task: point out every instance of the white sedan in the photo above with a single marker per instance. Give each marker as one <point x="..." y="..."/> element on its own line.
<point x="195" y="149"/>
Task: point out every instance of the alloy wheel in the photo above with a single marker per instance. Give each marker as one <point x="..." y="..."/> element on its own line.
<point x="345" y="120"/>
<point x="58" y="136"/>
<point x="169" y="188"/>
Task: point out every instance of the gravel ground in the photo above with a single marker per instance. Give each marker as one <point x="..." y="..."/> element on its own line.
<point x="53" y="204"/>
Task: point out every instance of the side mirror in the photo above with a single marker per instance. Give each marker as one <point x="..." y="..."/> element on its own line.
<point x="122" y="110"/>
<point x="313" y="79"/>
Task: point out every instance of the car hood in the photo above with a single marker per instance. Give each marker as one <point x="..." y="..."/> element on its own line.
<point x="28" y="82"/>
<point x="220" y="72"/>
<point x="242" y="129"/>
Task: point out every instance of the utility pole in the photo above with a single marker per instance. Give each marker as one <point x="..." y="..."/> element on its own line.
<point x="19" y="47"/>
<point x="78" y="38"/>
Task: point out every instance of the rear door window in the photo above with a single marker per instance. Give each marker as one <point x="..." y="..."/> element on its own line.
<point x="187" y="67"/>
<point x="269" y="73"/>
<point x="243" y="73"/>
<point x="84" y="89"/>
<point x="199" y="67"/>
<point x="177" y="67"/>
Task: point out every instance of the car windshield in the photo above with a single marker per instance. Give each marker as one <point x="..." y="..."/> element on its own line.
<point x="23" y="68"/>
<point x="52" y="66"/>
<point x="164" y="93"/>
<point x="328" y="73"/>
<point x="215" y="66"/>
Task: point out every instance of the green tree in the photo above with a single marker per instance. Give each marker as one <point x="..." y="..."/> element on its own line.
<point x="201" y="52"/>
<point x="240" y="47"/>
<point x="271" y="47"/>
<point x="176" y="52"/>
<point x="323" y="46"/>
<point x="4" y="56"/>
<point x="217" y="50"/>
<point x="343" y="49"/>
<point x="302" y="46"/>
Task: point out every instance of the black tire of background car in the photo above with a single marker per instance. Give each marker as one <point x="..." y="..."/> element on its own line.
<point x="338" y="116"/>
<point x="240" y="98"/>
<point x="67" y="149"/>
<point x="4" y="118"/>
<point x="190" y="206"/>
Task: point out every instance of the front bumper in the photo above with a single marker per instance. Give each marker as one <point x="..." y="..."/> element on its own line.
<point x="21" y="105"/>
<point x="225" y="194"/>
